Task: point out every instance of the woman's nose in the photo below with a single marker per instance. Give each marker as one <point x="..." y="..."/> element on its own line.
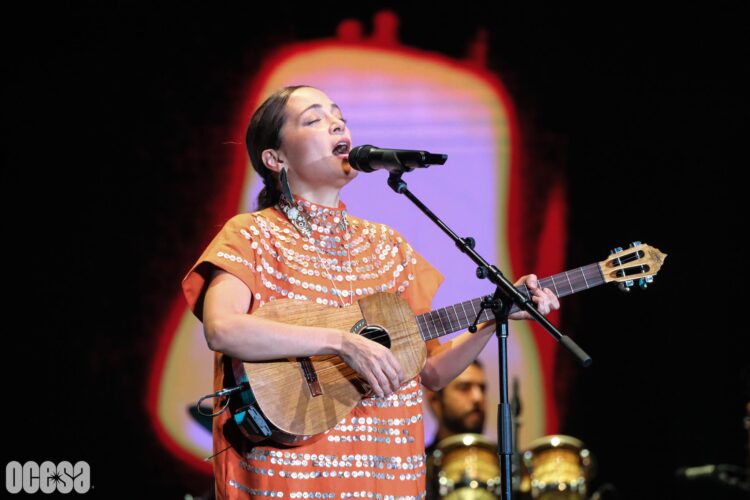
<point x="337" y="126"/>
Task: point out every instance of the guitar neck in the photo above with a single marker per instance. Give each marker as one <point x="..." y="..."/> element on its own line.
<point x="459" y="316"/>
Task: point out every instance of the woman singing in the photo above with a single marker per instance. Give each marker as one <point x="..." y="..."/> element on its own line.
<point x="303" y="245"/>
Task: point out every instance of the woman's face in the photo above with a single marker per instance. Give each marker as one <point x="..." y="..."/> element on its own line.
<point x="315" y="142"/>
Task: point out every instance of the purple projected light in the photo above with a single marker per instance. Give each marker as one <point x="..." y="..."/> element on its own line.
<point x="439" y="112"/>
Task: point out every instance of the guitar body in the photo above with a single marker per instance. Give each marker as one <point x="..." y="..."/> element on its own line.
<point x="304" y="397"/>
<point x="297" y="399"/>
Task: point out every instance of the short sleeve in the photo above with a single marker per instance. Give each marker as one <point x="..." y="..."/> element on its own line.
<point x="232" y="251"/>
<point x="423" y="281"/>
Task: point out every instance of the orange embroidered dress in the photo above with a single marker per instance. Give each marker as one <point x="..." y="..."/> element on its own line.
<point x="377" y="451"/>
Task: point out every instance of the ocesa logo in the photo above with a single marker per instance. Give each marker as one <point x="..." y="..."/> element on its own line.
<point x="47" y="477"/>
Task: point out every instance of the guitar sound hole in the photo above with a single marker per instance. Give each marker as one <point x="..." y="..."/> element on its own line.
<point x="377" y="334"/>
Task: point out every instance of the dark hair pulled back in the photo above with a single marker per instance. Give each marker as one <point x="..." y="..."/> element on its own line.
<point x="264" y="132"/>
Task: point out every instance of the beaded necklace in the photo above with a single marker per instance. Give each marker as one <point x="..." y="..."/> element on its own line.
<point x="308" y="219"/>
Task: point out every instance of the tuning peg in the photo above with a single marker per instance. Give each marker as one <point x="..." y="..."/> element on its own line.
<point x="625" y="286"/>
<point x="635" y="244"/>
<point x="645" y="281"/>
<point x="616" y="250"/>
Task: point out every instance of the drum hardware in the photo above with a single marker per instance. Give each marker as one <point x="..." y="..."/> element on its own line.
<point x="467" y="468"/>
<point x="557" y="467"/>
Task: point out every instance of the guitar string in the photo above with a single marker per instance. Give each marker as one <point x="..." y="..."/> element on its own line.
<point x="337" y="365"/>
<point x="378" y="337"/>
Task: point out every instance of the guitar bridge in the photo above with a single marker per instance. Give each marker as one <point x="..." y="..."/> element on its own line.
<point x="311" y="377"/>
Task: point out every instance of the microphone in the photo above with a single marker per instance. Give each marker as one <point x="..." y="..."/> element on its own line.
<point x="698" y="472"/>
<point x="369" y="158"/>
<point x="721" y="471"/>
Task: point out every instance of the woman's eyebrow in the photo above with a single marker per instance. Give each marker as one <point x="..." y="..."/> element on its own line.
<point x="334" y="107"/>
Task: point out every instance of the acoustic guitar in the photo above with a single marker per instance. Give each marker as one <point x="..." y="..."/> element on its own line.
<point x="293" y="400"/>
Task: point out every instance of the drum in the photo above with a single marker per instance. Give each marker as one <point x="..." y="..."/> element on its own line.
<point x="467" y="467"/>
<point x="557" y="467"/>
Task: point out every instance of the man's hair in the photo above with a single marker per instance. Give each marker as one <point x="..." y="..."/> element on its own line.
<point x="476" y="363"/>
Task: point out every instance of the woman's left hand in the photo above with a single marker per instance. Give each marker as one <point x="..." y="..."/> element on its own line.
<point x="543" y="298"/>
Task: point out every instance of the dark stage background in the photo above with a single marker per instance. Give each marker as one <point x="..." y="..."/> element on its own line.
<point x="114" y="121"/>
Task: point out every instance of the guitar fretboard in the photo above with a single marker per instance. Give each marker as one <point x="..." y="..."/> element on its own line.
<point x="459" y="316"/>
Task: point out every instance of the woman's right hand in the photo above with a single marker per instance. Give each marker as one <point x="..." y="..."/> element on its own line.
<point x="374" y="362"/>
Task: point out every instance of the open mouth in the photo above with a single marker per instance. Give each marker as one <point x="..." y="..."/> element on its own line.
<point x="342" y="148"/>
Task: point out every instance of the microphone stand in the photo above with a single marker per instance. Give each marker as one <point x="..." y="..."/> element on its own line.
<point x="500" y="303"/>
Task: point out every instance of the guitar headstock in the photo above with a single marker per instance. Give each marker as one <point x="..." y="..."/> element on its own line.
<point x="637" y="263"/>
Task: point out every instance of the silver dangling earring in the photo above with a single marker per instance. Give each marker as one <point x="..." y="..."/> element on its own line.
<point x="286" y="190"/>
<point x="297" y="217"/>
